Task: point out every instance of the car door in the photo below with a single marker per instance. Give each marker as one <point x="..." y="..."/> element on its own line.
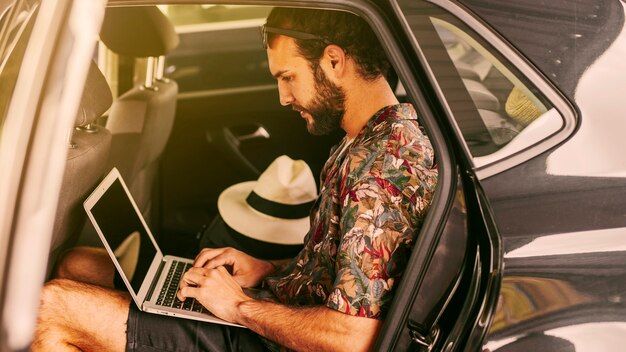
<point x="44" y="58"/>
<point x="449" y="291"/>
<point x="501" y="113"/>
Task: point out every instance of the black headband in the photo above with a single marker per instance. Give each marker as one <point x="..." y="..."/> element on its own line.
<point x="289" y="33"/>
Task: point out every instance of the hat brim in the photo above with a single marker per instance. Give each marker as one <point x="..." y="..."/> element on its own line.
<point x="236" y="212"/>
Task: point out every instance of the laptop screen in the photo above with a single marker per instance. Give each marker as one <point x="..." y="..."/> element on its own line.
<point x="121" y="225"/>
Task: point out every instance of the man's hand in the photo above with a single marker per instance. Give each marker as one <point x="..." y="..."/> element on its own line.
<point x="247" y="271"/>
<point x="217" y="277"/>
<point x="215" y="289"/>
<point x="216" y="281"/>
<point x="319" y="328"/>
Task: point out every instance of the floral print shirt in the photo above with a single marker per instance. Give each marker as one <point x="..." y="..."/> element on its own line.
<point x="374" y="194"/>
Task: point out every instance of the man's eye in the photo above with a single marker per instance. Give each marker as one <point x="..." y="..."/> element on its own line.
<point x="287" y="78"/>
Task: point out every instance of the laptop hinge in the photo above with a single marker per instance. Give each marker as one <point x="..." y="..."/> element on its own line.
<point x="154" y="282"/>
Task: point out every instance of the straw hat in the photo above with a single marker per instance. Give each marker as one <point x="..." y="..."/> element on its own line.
<point x="272" y="210"/>
<point x="520" y="108"/>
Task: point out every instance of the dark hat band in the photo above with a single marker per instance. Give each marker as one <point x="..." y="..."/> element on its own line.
<point x="279" y="210"/>
<point x="261" y="249"/>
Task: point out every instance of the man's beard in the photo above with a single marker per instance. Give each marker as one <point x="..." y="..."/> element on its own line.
<point x="327" y="107"/>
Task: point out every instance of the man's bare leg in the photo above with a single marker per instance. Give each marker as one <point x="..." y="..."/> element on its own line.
<point x="90" y="265"/>
<point x="76" y="316"/>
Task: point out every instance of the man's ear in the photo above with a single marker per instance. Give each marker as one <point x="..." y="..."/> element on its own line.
<point x="334" y="60"/>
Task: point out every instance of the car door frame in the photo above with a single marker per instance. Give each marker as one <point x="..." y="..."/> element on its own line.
<point x="456" y="175"/>
<point x="34" y="148"/>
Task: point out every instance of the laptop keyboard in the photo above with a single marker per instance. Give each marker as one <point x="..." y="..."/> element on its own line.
<point x="167" y="296"/>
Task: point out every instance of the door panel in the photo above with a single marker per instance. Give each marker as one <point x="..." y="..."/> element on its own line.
<point x="446" y="297"/>
<point x="452" y="304"/>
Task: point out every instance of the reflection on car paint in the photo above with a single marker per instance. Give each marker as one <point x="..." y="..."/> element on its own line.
<point x="607" y="145"/>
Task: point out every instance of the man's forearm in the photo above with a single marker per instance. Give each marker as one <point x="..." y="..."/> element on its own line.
<point x="308" y="328"/>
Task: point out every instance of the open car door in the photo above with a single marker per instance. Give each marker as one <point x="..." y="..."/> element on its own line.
<point x="45" y="52"/>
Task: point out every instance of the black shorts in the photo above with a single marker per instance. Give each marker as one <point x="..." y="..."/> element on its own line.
<point x="153" y="332"/>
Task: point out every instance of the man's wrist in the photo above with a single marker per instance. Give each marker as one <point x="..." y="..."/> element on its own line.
<point x="245" y="310"/>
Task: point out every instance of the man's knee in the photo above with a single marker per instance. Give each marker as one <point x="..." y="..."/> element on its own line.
<point x="53" y="299"/>
<point x="50" y="328"/>
<point x="70" y="262"/>
<point x="63" y="267"/>
<point x="86" y="264"/>
<point x="53" y="291"/>
<point x="83" y="316"/>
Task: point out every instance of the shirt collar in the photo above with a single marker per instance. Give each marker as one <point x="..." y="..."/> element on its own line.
<point x="402" y="111"/>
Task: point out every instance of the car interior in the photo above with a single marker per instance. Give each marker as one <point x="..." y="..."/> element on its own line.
<point x="195" y="110"/>
<point x="180" y="100"/>
<point x="197" y="97"/>
<point x="187" y="107"/>
<point x="508" y="108"/>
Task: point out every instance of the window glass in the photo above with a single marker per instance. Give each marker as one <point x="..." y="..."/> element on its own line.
<point x="183" y="15"/>
<point x="497" y="110"/>
<point x="220" y="47"/>
<point x="16" y="23"/>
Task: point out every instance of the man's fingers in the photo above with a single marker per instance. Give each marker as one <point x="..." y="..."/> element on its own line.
<point x="220" y="261"/>
<point x="195" y="278"/>
<point x="222" y="270"/>
<point x="212" y="259"/>
<point x="205" y="255"/>
<point x="188" y="292"/>
<point x="190" y="279"/>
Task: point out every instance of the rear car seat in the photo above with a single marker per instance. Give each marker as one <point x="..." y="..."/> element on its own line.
<point x="141" y="119"/>
<point x="88" y="150"/>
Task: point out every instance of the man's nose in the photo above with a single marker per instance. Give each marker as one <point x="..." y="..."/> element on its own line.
<point x="284" y="94"/>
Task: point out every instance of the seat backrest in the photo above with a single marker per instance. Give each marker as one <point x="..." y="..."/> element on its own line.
<point x="414" y="316"/>
<point x="88" y="152"/>
<point x="443" y="275"/>
<point x="141" y="119"/>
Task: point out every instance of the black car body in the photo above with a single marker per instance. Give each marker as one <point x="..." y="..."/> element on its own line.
<point x="524" y="246"/>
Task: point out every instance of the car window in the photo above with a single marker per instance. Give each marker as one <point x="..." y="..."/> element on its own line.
<point x="15" y="27"/>
<point x="497" y="110"/>
<point x="219" y="47"/>
<point x="186" y="15"/>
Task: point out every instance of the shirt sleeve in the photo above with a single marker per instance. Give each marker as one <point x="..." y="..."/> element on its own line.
<point x="376" y="238"/>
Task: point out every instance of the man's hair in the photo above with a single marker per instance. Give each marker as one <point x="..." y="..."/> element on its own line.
<point x="344" y="29"/>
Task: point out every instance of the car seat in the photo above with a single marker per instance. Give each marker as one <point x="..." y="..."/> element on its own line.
<point x="88" y="151"/>
<point x="141" y="119"/>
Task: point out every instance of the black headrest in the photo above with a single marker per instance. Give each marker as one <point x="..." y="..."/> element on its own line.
<point x="96" y="99"/>
<point x="138" y="31"/>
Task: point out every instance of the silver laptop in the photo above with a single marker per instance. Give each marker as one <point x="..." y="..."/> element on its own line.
<point x="151" y="277"/>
